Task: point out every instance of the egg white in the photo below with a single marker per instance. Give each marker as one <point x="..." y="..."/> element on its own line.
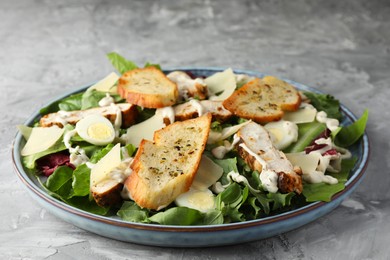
<point x="96" y="129"/>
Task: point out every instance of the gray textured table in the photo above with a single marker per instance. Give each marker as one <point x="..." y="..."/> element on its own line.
<point x="341" y="47"/>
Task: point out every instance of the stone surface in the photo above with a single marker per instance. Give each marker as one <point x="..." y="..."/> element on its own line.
<point x="48" y="48"/>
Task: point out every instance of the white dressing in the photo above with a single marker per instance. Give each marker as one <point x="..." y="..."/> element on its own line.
<point x="220" y="151"/>
<point x="106" y="101"/>
<point x="199" y="108"/>
<point x="184" y="83"/>
<point x="77" y="155"/>
<point x="167" y="112"/>
<point x="270" y="178"/>
<point x="331" y="123"/>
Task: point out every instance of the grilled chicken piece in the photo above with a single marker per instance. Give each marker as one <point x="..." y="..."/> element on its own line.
<point x="187" y="86"/>
<point x="276" y="171"/>
<point x="60" y="118"/>
<point x="192" y="108"/>
<point x="107" y="193"/>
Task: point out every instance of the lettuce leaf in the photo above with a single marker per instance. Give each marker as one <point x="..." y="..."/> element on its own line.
<point x="326" y="103"/>
<point x="81" y="181"/>
<point x="130" y="211"/>
<point x="324" y="192"/>
<point x="348" y="135"/>
<point x="121" y="64"/>
<point x="29" y="160"/>
<point x="60" y="186"/>
<point x="180" y="216"/>
<point x="307" y="132"/>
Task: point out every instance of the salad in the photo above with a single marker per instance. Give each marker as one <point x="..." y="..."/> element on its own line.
<point x="82" y="148"/>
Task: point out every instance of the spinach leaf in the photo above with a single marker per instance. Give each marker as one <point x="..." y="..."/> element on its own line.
<point x="60" y="177"/>
<point x="121" y="64"/>
<point x="59" y="185"/>
<point x="326" y="103"/>
<point x="348" y="135"/>
<point x="84" y="203"/>
<point x="181" y="216"/>
<point x="81" y="181"/>
<point x="130" y="211"/>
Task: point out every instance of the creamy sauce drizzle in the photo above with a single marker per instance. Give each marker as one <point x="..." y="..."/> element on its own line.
<point x="327" y="162"/>
<point x="167" y="112"/>
<point x="220" y="151"/>
<point x="269" y="178"/>
<point x="77" y="154"/>
<point x="106" y="101"/>
<point x="199" y="108"/>
<point x="331" y="123"/>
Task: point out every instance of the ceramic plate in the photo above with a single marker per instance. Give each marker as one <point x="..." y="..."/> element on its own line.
<point x="193" y="236"/>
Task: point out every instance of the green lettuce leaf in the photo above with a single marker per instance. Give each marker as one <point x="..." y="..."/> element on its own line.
<point x="29" y="160"/>
<point x="213" y="217"/>
<point x="148" y="64"/>
<point x="81" y="181"/>
<point x="348" y="135"/>
<point x="307" y="132"/>
<point x="99" y="153"/>
<point x="130" y="211"/>
<point x="326" y="103"/>
<point x="59" y="185"/>
<point x="60" y="181"/>
<point x="324" y="192"/>
<point x="121" y="64"/>
<point x="180" y="216"/>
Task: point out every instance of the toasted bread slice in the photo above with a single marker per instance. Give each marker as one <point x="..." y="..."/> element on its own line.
<point x="256" y="148"/>
<point x="165" y="168"/>
<point x="188" y="110"/>
<point x="264" y="100"/>
<point x="147" y="87"/>
<point x="60" y="118"/>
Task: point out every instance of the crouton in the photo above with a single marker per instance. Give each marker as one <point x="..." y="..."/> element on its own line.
<point x="147" y="87"/>
<point x="165" y="168"/>
<point x="264" y="100"/>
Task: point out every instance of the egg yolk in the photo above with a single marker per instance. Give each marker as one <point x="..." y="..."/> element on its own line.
<point x="99" y="131"/>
